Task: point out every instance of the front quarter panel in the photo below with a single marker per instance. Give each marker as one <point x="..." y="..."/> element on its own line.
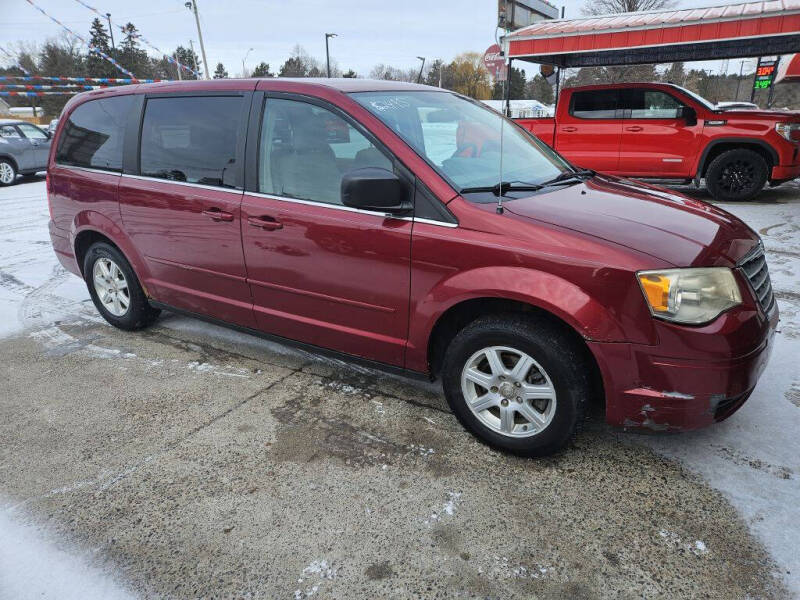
<point x="587" y="284"/>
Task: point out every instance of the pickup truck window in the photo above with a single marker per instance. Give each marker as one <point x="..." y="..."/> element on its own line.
<point x="594" y="104"/>
<point x="461" y="138"/>
<point x="642" y="103"/>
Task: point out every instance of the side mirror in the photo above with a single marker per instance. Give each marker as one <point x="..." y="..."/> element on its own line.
<point x="375" y="189"/>
<point x="688" y="114"/>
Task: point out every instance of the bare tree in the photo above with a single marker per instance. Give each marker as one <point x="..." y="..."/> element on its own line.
<point x="607" y="7"/>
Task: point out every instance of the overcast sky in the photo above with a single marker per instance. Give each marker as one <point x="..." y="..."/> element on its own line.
<point x="369" y="32"/>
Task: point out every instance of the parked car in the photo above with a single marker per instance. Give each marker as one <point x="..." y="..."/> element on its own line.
<point x="51" y="127"/>
<point x="24" y="149"/>
<point x="366" y="219"/>
<point x="737" y="105"/>
<point x="662" y="131"/>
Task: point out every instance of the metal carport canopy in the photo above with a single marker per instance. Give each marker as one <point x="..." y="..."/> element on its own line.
<point x="729" y="31"/>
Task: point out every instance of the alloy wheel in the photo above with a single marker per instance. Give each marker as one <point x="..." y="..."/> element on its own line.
<point x="6" y="173"/>
<point x="111" y="286"/>
<point x="508" y="391"/>
<point x="737" y="176"/>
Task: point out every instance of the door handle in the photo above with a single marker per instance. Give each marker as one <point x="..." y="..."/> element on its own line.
<point x="217" y="214"/>
<point x="265" y="222"/>
<point x="634" y="128"/>
<point x="569" y="129"/>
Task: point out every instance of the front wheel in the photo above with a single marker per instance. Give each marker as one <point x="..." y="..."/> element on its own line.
<point x="115" y="290"/>
<point x="736" y="175"/>
<point x="517" y="383"/>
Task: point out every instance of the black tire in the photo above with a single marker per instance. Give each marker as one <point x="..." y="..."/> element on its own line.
<point x="139" y="314"/>
<point x="8" y="164"/>
<point x="736" y="175"/>
<point x="564" y="362"/>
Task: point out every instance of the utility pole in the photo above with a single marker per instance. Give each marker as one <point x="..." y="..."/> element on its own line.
<point x="194" y="59"/>
<point x="177" y="67"/>
<point x="244" y="69"/>
<point x="739" y="81"/>
<point x="192" y="5"/>
<point x="328" y="52"/>
<point x="111" y="31"/>
<point x="419" y="77"/>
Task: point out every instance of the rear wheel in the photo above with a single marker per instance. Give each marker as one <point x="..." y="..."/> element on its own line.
<point x="115" y="290"/>
<point x="517" y="383"/>
<point x="8" y="172"/>
<point x="736" y="175"/>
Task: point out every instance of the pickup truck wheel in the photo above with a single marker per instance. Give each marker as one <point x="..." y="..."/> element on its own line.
<point x="517" y="384"/>
<point x="8" y="172"/>
<point x="736" y="175"/>
<point x="115" y="290"/>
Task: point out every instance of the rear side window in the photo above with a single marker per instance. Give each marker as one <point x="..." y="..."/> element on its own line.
<point x="594" y="104"/>
<point x="93" y="136"/>
<point x="191" y="139"/>
<point x="649" y="104"/>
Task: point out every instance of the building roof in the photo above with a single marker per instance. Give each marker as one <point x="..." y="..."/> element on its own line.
<point x="729" y="31"/>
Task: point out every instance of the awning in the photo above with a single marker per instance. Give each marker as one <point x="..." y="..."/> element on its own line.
<point x="788" y="69"/>
<point x="730" y="31"/>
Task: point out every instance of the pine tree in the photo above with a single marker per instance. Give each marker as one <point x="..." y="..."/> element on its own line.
<point x="262" y="70"/>
<point x="96" y="65"/>
<point x="350" y="74"/>
<point x="518" y="86"/>
<point x="539" y="89"/>
<point x="220" y="72"/>
<point x="188" y="58"/>
<point x="131" y="56"/>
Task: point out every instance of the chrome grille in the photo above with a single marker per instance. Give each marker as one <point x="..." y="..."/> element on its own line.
<point x="754" y="266"/>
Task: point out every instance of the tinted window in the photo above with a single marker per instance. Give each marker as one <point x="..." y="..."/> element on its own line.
<point x="191" y="139"/>
<point x="305" y="150"/>
<point x="94" y="133"/>
<point x="9" y="131"/>
<point x="650" y="104"/>
<point x="32" y="132"/>
<point x="595" y="104"/>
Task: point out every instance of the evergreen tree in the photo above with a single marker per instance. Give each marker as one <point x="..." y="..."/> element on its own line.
<point x="262" y="70"/>
<point x="96" y="65"/>
<point x="131" y="56"/>
<point x="350" y="74"/>
<point x="220" y="72"/>
<point x="518" y="86"/>
<point x="188" y="57"/>
<point x="539" y="89"/>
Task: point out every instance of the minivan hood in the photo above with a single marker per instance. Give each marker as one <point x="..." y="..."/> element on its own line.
<point x="645" y="218"/>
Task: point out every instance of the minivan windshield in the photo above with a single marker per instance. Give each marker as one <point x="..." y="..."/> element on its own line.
<point x="461" y="139"/>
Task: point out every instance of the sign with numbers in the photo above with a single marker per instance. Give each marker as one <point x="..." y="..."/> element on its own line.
<point x="765" y="74"/>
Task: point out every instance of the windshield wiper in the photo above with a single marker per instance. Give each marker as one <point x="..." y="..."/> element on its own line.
<point x="567" y="176"/>
<point x="500" y="189"/>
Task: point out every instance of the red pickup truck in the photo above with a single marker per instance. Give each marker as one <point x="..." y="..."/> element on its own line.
<point x="662" y="131"/>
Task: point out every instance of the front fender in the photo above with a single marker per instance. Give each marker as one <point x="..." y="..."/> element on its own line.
<point x="546" y="291"/>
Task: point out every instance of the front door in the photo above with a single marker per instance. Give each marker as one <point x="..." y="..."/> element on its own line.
<point x="589" y="135"/>
<point x="320" y="272"/>
<point x="17" y="145"/>
<point x="182" y="210"/>
<point x="656" y="139"/>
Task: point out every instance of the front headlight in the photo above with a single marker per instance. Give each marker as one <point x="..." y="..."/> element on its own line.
<point x="791" y="131"/>
<point x="690" y="296"/>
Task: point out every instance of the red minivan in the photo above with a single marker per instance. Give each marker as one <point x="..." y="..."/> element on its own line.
<point x="417" y="230"/>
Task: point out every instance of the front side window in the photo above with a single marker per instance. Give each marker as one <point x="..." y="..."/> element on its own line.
<point x="94" y="134"/>
<point x="461" y="139"/>
<point x="305" y="150"/>
<point x="9" y="131"/>
<point x="594" y="104"/>
<point x="191" y="139"/>
<point x="650" y="104"/>
<point x="32" y="132"/>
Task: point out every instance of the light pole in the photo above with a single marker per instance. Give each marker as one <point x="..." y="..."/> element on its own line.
<point x="111" y="31"/>
<point x="419" y="77"/>
<point x="244" y="69"/>
<point x="328" y="52"/>
<point x="192" y="6"/>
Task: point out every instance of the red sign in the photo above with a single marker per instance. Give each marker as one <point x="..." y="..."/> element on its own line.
<point x="495" y="62"/>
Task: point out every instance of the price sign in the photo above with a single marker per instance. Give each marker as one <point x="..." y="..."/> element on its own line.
<point x="765" y="73"/>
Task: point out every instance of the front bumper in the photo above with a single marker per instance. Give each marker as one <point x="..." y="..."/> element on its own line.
<point x="783" y="173"/>
<point x="694" y="377"/>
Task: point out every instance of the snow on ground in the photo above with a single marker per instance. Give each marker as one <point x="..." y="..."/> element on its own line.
<point x="32" y="567"/>
<point x="753" y="458"/>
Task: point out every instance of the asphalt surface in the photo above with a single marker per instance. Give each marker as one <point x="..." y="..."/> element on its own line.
<point x="188" y="461"/>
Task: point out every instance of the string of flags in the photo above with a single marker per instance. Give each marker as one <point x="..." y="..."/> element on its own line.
<point x="145" y="42"/>
<point x="38" y="94"/>
<point x="97" y="51"/>
<point x="78" y="79"/>
<point x="13" y="86"/>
